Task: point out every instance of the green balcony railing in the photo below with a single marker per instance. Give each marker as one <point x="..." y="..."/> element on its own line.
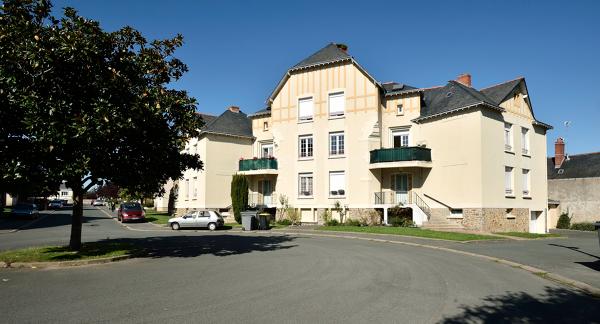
<point x="414" y="153"/>
<point x="257" y="164"/>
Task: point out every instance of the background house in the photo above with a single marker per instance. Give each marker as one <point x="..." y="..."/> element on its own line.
<point x="574" y="184"/>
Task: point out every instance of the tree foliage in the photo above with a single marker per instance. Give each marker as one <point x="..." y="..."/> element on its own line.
<point x="83" y="105"/>
<point x="239" y="195"/>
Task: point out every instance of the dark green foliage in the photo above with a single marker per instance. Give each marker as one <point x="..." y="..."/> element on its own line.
<point x="172" y="199"/>
<point x="84" y="105"/>
<point x="239" y="195"/>
<point x="352" y="222"/>
<point x="333" y="222"/>
<point x="284" y="222"/>
<point x="400" y="216"/>
<point x="583" y="226"/>
<point x="398" y="221"/>
<point x="564" y="221"/>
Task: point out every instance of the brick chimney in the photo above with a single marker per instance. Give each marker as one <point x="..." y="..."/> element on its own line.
<point x="234" y="109"/>
<point x="465" y="79"/>
<point x="559" y="152"/>
<point x="343" y="47"/>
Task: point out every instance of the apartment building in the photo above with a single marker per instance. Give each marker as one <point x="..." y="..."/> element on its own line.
<point x="454" y="154"/>
<point x="222" y="141"/>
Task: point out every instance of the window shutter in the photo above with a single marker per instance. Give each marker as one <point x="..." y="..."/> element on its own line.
<point x="305" y="108"/>
<point x="337" y="181"/>
<point x="336" y="104"/>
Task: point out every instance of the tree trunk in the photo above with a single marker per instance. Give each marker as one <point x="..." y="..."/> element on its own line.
<point x="76" y="219"/>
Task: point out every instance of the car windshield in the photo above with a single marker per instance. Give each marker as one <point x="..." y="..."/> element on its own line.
<point x="132" y="206"/>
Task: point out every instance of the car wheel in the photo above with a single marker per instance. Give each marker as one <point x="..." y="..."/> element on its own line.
<point x="212" y="226"/>
<point x="175" y="226"/>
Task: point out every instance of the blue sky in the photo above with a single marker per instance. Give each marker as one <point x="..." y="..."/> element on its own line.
<point x="238" y="50"/>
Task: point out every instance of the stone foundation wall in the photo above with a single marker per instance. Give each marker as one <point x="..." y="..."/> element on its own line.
<point x="496" y="219"/>
<point x="358" y="213"/>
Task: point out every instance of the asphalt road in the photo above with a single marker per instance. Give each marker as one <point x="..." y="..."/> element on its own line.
<point x="228" y="277"/>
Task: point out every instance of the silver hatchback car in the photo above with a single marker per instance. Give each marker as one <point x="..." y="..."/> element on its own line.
<point x="199" y="218"/>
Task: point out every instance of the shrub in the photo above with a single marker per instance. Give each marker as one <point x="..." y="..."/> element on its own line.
<point x="326" y="216"/>
<point x="397" y="221"/>
<point x="583" y="226"/>
<point x="284" y="222"/>
<point x="332" y="222"/>
<point x="564" y="221"/>
<point x="293" y="215"/>
<point x="352" y="222"/>
<point x="239" y="195"/>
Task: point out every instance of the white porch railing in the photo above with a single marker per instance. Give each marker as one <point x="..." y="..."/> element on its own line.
<point x="257" y="199"/>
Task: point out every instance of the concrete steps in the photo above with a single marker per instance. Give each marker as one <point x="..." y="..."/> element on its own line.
<point x="442" y="224"/>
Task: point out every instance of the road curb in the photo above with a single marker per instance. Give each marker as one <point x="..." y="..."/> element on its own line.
<point x="589" y="289"/>
<point x="63" y="264"/>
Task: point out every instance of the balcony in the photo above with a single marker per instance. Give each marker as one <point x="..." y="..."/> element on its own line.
<point x="257" y="199"/>
<point x="258" y="166"/>
<point x="414" y="156"/>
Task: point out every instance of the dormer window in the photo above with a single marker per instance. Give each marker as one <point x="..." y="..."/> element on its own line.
<point x="399" y="110"/>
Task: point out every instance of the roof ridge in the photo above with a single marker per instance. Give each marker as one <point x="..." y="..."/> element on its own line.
<point x="478" y="95"/>
<point x="578" y="154"/>
<point x="504" y="82"/>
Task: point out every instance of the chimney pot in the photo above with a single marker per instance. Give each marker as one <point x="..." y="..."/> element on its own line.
<point x="234" y="109"/>
<point x="559" y="152"/>
<point x="465" y="79"/>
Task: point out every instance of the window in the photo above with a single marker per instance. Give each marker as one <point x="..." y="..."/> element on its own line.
<point x="526" y="192"/>
<point x="509" y="213"/>
<point x="337" y="101"/>
<point x="187" y="188"/>
<point x="305" y="184"/>
<point x="399" y="110"/>
<point x="456" y="213"/>
<point x="508" y="138"/>
<point x="336" y="143"/>
<point x="194" y="149"/>
<point x="195" y="187"/>
<point x="337" y="183"/>
<point x="64" y="193"/>
<point x="508" y="181"/>
<point x="400" y="138"/>
<point x="305" y="109"/>
<point x="266" y="150"/>
<point x="265" y="126"/>
<point x="525" y="140"/>
<point x="305" y="146"/>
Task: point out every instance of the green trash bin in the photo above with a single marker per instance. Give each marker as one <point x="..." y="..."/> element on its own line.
<point x="263" y="221"/>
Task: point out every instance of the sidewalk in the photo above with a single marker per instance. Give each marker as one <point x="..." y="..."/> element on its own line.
<point x="575" y="256"/>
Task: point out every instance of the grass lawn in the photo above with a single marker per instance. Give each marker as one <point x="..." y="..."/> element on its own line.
<point x="62" y="253"/>
<point x="6" y="211"/>
<point x="528" y="235"/>
<point x="233" y="225"/>
<point x="156" y="217"/>
<point x="410" y="231"/>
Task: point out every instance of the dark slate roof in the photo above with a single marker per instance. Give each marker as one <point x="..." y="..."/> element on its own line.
<point x="230" y="123"/>
<point x="262" y="112"/>
<point x="394" y="88"/>
<point x="453" y="96"/>
<point x="207" y="118"/>
<point x="500" y="91"/>
<point x="577" y="166"/>
<point x="328" y="54"/>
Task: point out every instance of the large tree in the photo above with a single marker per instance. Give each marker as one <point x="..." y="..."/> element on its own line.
<point x="90" y="105"/>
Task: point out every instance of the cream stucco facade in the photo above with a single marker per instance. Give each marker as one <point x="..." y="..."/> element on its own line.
<point x="332" y="133"/>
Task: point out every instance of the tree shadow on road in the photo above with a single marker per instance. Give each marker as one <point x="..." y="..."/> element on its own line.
<point x="556" y="305"/>
<point x="193" y="246"/>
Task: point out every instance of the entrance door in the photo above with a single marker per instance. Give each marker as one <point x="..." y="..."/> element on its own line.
<point x="533" y="221"/>
<point x="266" y="191"/>
<point x="400" y="187"/>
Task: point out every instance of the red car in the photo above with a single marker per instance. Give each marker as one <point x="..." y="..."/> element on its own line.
<point x="130" y="212"/>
